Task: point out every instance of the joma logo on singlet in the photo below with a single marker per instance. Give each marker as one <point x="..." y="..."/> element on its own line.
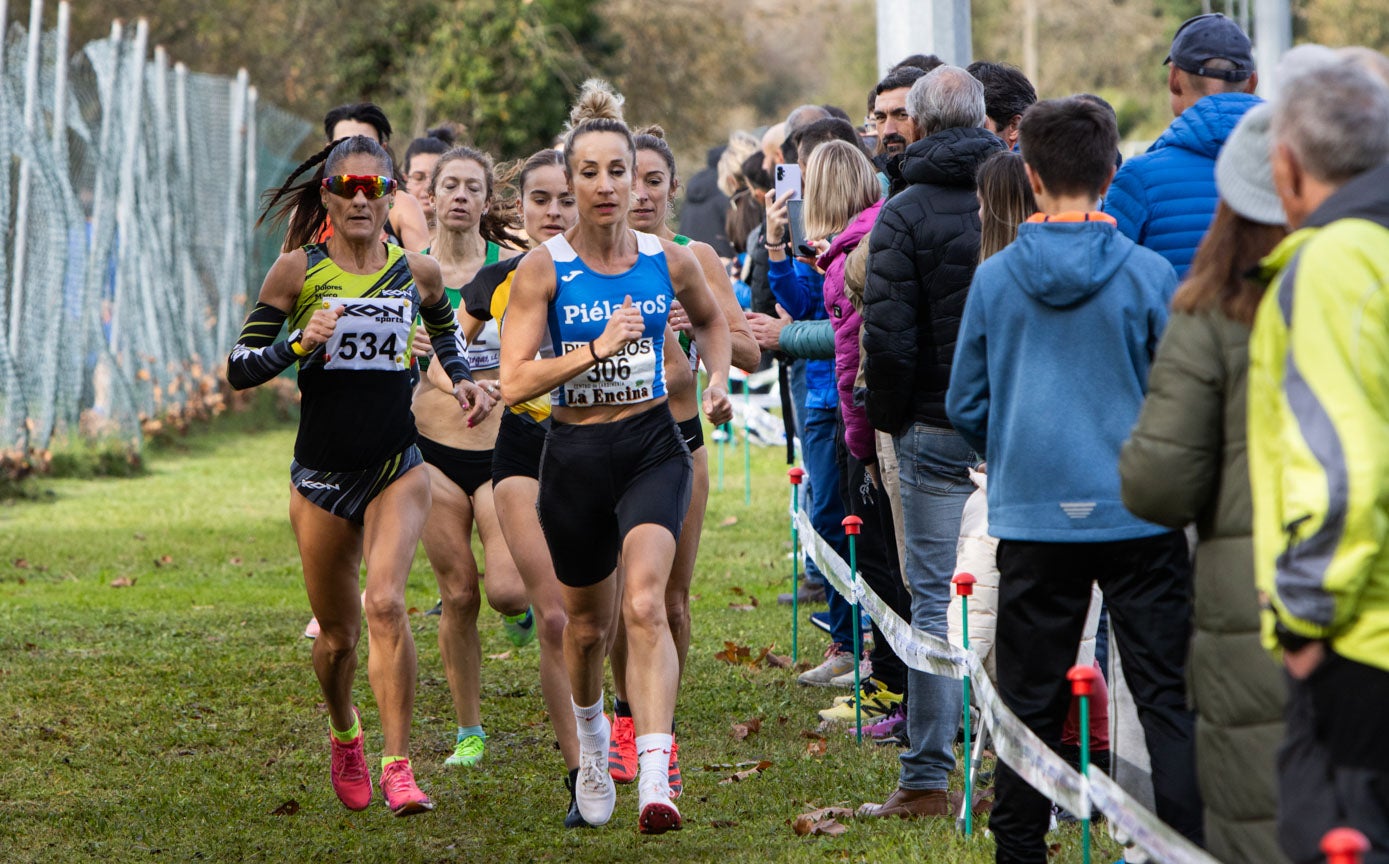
<point x="602" y="310"/>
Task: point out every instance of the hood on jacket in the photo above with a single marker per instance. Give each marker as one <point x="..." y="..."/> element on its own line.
<point x="1065" y="263"/>
<point x="1203" y="127"/>
<point x="703" y="186"/>
<point x="845" y="242"/>
<point x="950" y="157"/>
<point x="1364" y="197"/>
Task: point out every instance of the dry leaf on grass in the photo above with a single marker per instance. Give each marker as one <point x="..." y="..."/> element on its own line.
<point x="163" y="560"/>
<point x="289" y="808"/>
<point x="729" y="522"/>
<point x="748" y="774"/>
<point x="778" y="661"/>
<point x="823" y="822"/>
<point x="236" y="560"/>
<point x="505" y="655"/>
<point x="741" y="731"/>
<point x="728" y="766"/>
<point x="733" y="653"/>
<point x="741" y="655"/>
<point x="744" y="607"/>
<point x="818" y="745"/>
<point x="21" y="563"/>
<point x="122" y="582"/>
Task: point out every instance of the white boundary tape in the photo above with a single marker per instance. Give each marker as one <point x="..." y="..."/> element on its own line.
<point x="1014" y="743"/>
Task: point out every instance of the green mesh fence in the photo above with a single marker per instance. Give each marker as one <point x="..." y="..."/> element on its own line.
<point x="127" y="251"/>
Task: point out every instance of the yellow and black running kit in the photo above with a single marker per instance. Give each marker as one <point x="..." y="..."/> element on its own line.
<point x="521" y="437"/>
<point x="356" y="431"/>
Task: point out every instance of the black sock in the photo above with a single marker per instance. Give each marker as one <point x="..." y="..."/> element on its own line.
<point x="620" y="708"/>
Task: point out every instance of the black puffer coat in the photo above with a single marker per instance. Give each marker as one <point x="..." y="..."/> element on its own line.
<point x="921" y="258"/>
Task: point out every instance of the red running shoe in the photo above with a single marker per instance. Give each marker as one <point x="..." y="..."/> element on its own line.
<point x="676" y="786"/>
<point x="622" y="751"/>
<point x="351" y="779"/>
<point x="402" y="795"/>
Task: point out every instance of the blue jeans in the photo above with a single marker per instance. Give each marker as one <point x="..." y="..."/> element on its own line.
<point x="934" y="467"/>
<point x="827" y="508"/>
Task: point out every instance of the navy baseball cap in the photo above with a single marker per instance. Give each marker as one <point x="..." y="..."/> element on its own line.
<point x="1212" y="37"/>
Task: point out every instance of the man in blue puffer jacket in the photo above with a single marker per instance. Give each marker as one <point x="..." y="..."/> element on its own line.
<point x="1165" y="199"/>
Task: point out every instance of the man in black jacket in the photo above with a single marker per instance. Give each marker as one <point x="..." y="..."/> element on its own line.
<point x="921" y="259"/>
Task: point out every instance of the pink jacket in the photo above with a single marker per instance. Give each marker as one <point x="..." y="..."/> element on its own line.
<point x="858" y="433"/>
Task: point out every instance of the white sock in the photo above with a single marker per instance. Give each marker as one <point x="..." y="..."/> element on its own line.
<point x="653" y="758"/>
<point x="591" y="725"/>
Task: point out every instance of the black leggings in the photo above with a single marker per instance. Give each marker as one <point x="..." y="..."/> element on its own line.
<point x="598" y="481"/>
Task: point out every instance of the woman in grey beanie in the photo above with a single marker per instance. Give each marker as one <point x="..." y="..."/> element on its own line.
<point x="1184" y="463"/>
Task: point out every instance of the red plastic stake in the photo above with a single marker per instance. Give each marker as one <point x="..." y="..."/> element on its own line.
<point x="964" y="587"/>
<point x="853" y="526"/>
<point x="1344" y="846"/>
<point x="1082" y="680"/>
<point x="964" y="584"/>
<point x="796" y="475"/>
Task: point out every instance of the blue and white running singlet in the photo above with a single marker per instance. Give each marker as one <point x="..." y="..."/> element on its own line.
<point x="585" y="300"/>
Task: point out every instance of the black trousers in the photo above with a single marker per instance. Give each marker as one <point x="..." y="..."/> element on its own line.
<point x="1043" y="596"/>
<point x="1325" y="778"/>
<point x="877" y="556"/>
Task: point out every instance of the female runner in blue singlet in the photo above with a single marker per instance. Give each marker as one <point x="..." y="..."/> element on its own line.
<point x="615" y="476"/>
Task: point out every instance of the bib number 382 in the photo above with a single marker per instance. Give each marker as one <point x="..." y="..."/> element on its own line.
<point x="372" y="334"/>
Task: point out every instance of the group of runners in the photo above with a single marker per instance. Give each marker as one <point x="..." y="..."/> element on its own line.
<point x="528" y="366"/>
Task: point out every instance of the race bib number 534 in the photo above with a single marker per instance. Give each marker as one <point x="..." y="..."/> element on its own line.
<point x="626" y="377"/>
<point x="372" y="334"/>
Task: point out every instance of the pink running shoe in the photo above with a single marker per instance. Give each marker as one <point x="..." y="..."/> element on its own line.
<point x="312" y="630"/>
<point x="402" y="795"/>
<point x="351" y="779"/>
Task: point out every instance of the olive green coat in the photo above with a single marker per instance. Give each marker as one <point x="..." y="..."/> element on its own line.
<point x="1185" y="462"/>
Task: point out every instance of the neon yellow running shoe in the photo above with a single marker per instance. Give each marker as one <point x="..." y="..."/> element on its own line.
<point x="520" y="629"/>
<point x="468" y="751"/>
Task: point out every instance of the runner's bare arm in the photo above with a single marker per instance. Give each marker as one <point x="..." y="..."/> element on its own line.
<point x="745" y="353"/>
<point x="710" y="328"/>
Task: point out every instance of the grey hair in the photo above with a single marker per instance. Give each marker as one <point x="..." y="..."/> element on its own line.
<point x="1335" y="119"/>
<point x="947" y="97"/>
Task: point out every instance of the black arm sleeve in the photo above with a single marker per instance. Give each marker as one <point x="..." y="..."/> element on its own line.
<point x="257" y="357"/>
<point x="442" y="326"/>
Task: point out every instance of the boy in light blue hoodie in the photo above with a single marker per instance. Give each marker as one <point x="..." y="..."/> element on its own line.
<point x="1050" y="370"/>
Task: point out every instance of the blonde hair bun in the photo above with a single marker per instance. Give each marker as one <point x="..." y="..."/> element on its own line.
<point x="653" y="130"/>
<point x="597" y="101"/>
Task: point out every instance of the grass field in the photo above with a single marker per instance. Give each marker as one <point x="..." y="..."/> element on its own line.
<point x="176" y="717"/>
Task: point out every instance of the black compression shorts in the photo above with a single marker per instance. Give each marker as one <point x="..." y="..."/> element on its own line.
<point x="470" y="470"/>
<point x="599" y="481"/>
<point x="520" y="441"/>
<point x="347" y="494"/>
<point x="692" y="430"/>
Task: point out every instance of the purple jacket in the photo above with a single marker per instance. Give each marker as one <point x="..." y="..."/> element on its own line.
<point x="858" y="432"/>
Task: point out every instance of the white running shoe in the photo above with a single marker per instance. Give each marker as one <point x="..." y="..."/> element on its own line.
<point x="594" y="791"/>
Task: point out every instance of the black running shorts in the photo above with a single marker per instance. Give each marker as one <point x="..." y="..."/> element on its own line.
<point x="599" y="481"/>
<point x="468" y="469"/>
<point x="692" y="430"/>
<point x="516" y="453"/>
<point x="347" y="494"/>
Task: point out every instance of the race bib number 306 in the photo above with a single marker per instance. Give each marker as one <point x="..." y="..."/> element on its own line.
<point x="626" y="377"/>
<point x="372" y="334"/>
